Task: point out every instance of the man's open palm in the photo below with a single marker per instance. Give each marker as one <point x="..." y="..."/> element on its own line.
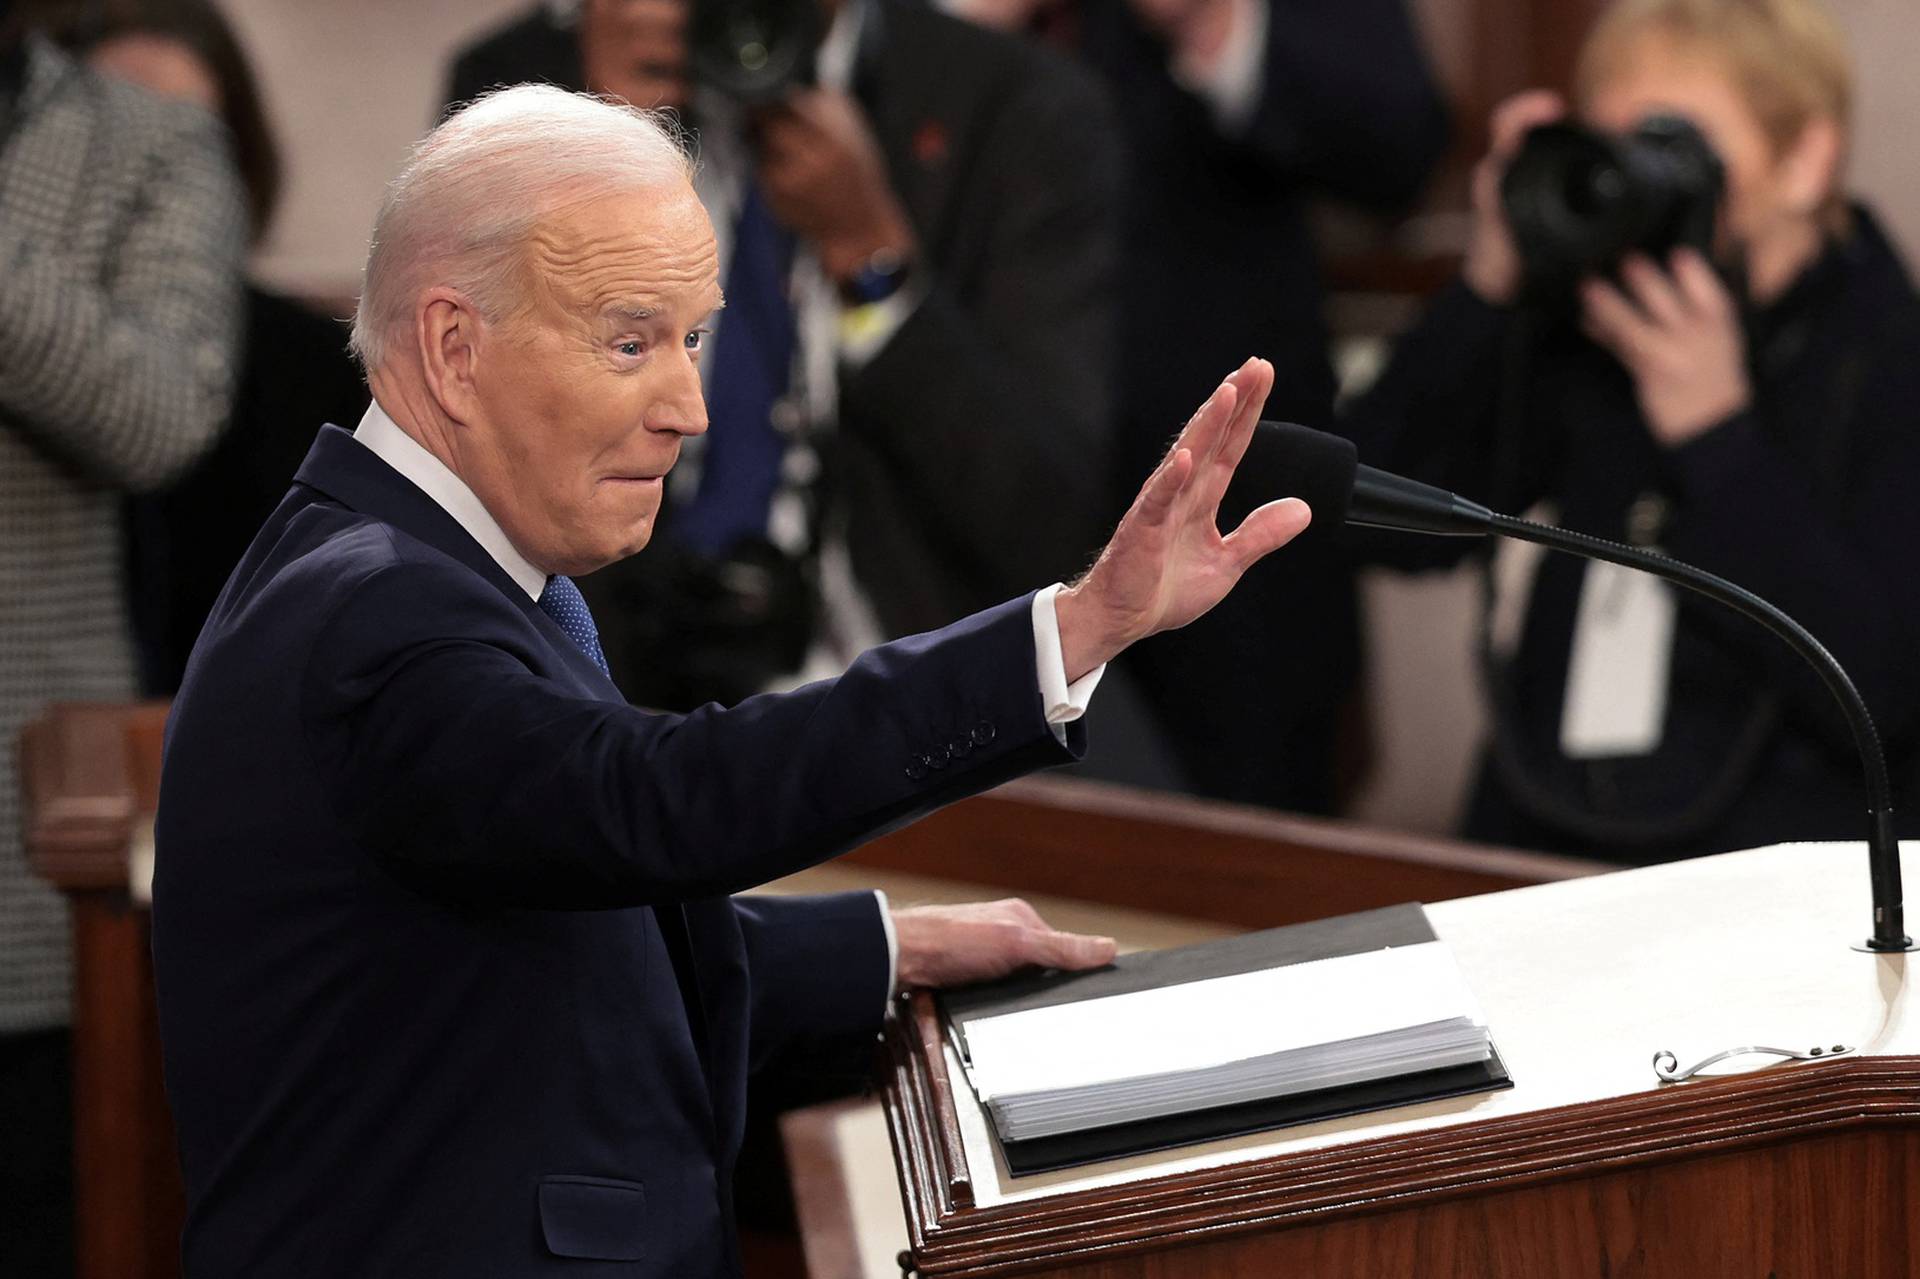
<point x="1168" y="562"/>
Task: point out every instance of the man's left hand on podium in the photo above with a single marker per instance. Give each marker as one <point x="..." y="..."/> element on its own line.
<point x="955" y="945"/>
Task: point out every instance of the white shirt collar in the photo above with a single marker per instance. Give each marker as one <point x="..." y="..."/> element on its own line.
<point x="431" y="476"/>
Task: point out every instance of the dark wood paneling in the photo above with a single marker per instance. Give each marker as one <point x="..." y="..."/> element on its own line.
<point x="1172" y="855"/>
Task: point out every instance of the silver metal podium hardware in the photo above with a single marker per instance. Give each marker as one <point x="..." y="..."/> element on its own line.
<point x="1664" y="1062"/>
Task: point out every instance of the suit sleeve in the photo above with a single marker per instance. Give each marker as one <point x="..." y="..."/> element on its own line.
<point x="818" y="972"/>
<point x="1348" y="104"/>
<point x="473" y="776"/>
<point x="130" y="377"/>
<point x="996" y="395"/>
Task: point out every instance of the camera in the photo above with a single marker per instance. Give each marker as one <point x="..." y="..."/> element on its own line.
<point x="1579" y="201"/>
<point x="754" y="51"/>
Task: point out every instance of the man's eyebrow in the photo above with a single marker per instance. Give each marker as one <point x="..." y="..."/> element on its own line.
<point x="632" y="311"/>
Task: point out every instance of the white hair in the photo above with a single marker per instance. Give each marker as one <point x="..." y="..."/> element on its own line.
<point x="463" y="208"/>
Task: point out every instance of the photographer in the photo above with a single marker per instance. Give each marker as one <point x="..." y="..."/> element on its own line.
<point x="911" y="385"/>
<point x="1748" y="409"/>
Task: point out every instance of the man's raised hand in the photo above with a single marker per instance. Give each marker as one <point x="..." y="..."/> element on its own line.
<point x="1168" y="562"/>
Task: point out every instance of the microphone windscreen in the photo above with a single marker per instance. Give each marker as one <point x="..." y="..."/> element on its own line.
<point x="1287" y="460"/>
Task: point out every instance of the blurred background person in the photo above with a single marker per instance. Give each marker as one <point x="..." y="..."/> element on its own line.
<point x="295" y="372"/>
<point x="1237" y="115"/>
<point x="912" y="384"/>
<point x="123" y="228"/>
<point x="1749" y="409"/>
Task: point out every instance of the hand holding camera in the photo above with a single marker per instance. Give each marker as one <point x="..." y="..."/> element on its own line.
<point x="1616" y="230"/>
<point x="825" y="178"/>
<point x="1678" y="332"/>
<point x="1492" y="266"/>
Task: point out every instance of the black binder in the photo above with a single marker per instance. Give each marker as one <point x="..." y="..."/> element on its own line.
<point x="1404" y="925"/>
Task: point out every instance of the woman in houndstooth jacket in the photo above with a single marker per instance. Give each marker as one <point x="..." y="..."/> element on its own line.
<point x="122" y="232"/>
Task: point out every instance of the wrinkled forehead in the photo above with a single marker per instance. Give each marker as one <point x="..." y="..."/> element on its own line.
<point x="649" y="249"/>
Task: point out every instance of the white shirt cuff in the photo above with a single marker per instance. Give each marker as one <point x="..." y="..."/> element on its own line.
<point x="1230" y="81"/>
<point x="1063" y="702"/>
<point x="893" y="944"/>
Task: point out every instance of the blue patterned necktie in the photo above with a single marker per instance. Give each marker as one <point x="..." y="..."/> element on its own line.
<point x="562" y="601"/>
<point x="752" y="362"/>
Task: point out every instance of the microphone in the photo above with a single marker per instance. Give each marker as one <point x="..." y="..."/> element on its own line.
<point x="1325" y="471"/>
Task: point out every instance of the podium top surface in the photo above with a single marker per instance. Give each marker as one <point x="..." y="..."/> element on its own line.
<point x="1583" y="981"/>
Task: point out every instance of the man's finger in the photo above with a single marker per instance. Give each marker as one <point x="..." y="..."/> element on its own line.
<point x="1020" y="909"/>
<point x="1051" y="949"/>
<point x="1253" y="391"/>
<point x="1266" y="530"/>
<point x="1250" y="383"/>
<point x="1203" y="429"/>
<point x="1163" y="489"/>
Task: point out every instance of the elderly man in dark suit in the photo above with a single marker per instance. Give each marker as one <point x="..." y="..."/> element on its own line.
<point x="919" y="246"/>
<point x="450" y="977"/>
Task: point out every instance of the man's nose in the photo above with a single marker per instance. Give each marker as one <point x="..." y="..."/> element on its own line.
<point x="683" y="409"/>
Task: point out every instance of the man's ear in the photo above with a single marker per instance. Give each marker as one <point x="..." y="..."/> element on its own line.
<point x="447" y="329"/>
<point x="1809" y="169"/>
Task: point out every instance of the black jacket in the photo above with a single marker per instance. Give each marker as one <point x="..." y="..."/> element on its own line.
<point x="972" y="452"/>
<point x="1221" y="264"/>
<point x="1806" y="499"/>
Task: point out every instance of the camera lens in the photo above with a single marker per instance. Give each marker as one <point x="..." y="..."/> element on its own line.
<point x="1578" y="201"/>
<point x="755" y="51"/>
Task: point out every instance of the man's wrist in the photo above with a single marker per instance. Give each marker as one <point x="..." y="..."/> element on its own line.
<point x="1088" y="637"/>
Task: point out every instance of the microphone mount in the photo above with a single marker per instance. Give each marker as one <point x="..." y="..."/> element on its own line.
<point x="1883" y="850"/>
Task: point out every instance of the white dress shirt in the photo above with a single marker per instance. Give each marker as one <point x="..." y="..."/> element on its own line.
<point x="1063" y="702"/>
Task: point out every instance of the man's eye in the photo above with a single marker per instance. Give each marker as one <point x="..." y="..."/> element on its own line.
<point x="697" y="340"/>
<point x="630" y="348"/>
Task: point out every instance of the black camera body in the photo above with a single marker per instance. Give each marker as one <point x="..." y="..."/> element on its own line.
<point x="1579" y="201"/>
<point x="754" y="51"/>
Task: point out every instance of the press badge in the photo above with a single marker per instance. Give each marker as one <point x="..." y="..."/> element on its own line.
<point x="1618" y="674"/>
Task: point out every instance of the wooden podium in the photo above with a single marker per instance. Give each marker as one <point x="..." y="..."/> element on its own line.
<point x="1589" y="1166"/>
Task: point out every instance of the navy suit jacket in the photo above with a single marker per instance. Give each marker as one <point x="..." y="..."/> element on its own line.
<point x="450" y="980"/>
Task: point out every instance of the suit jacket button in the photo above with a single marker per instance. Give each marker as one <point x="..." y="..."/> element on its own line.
<point x="960" y="747"/>
<point x="937" y="758"/>
<point x="982" y="733"/>
<point x="917" y="771"/>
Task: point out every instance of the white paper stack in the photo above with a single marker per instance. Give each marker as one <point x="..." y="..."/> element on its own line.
<point x="1301" y="1028"/>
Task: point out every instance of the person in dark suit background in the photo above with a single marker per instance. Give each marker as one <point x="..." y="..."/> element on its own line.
<point x="449" y="977"/>
<point x="1236" y="115"/>
<point x="938" y="219"/>
<point x="295" y="370"/>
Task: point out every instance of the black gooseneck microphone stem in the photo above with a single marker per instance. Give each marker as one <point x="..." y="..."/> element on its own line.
<point x="1883" y="851"/>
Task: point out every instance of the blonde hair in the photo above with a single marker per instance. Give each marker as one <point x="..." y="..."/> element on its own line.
<point x="1788" y="58"/>
<point x="463" y="208"/>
